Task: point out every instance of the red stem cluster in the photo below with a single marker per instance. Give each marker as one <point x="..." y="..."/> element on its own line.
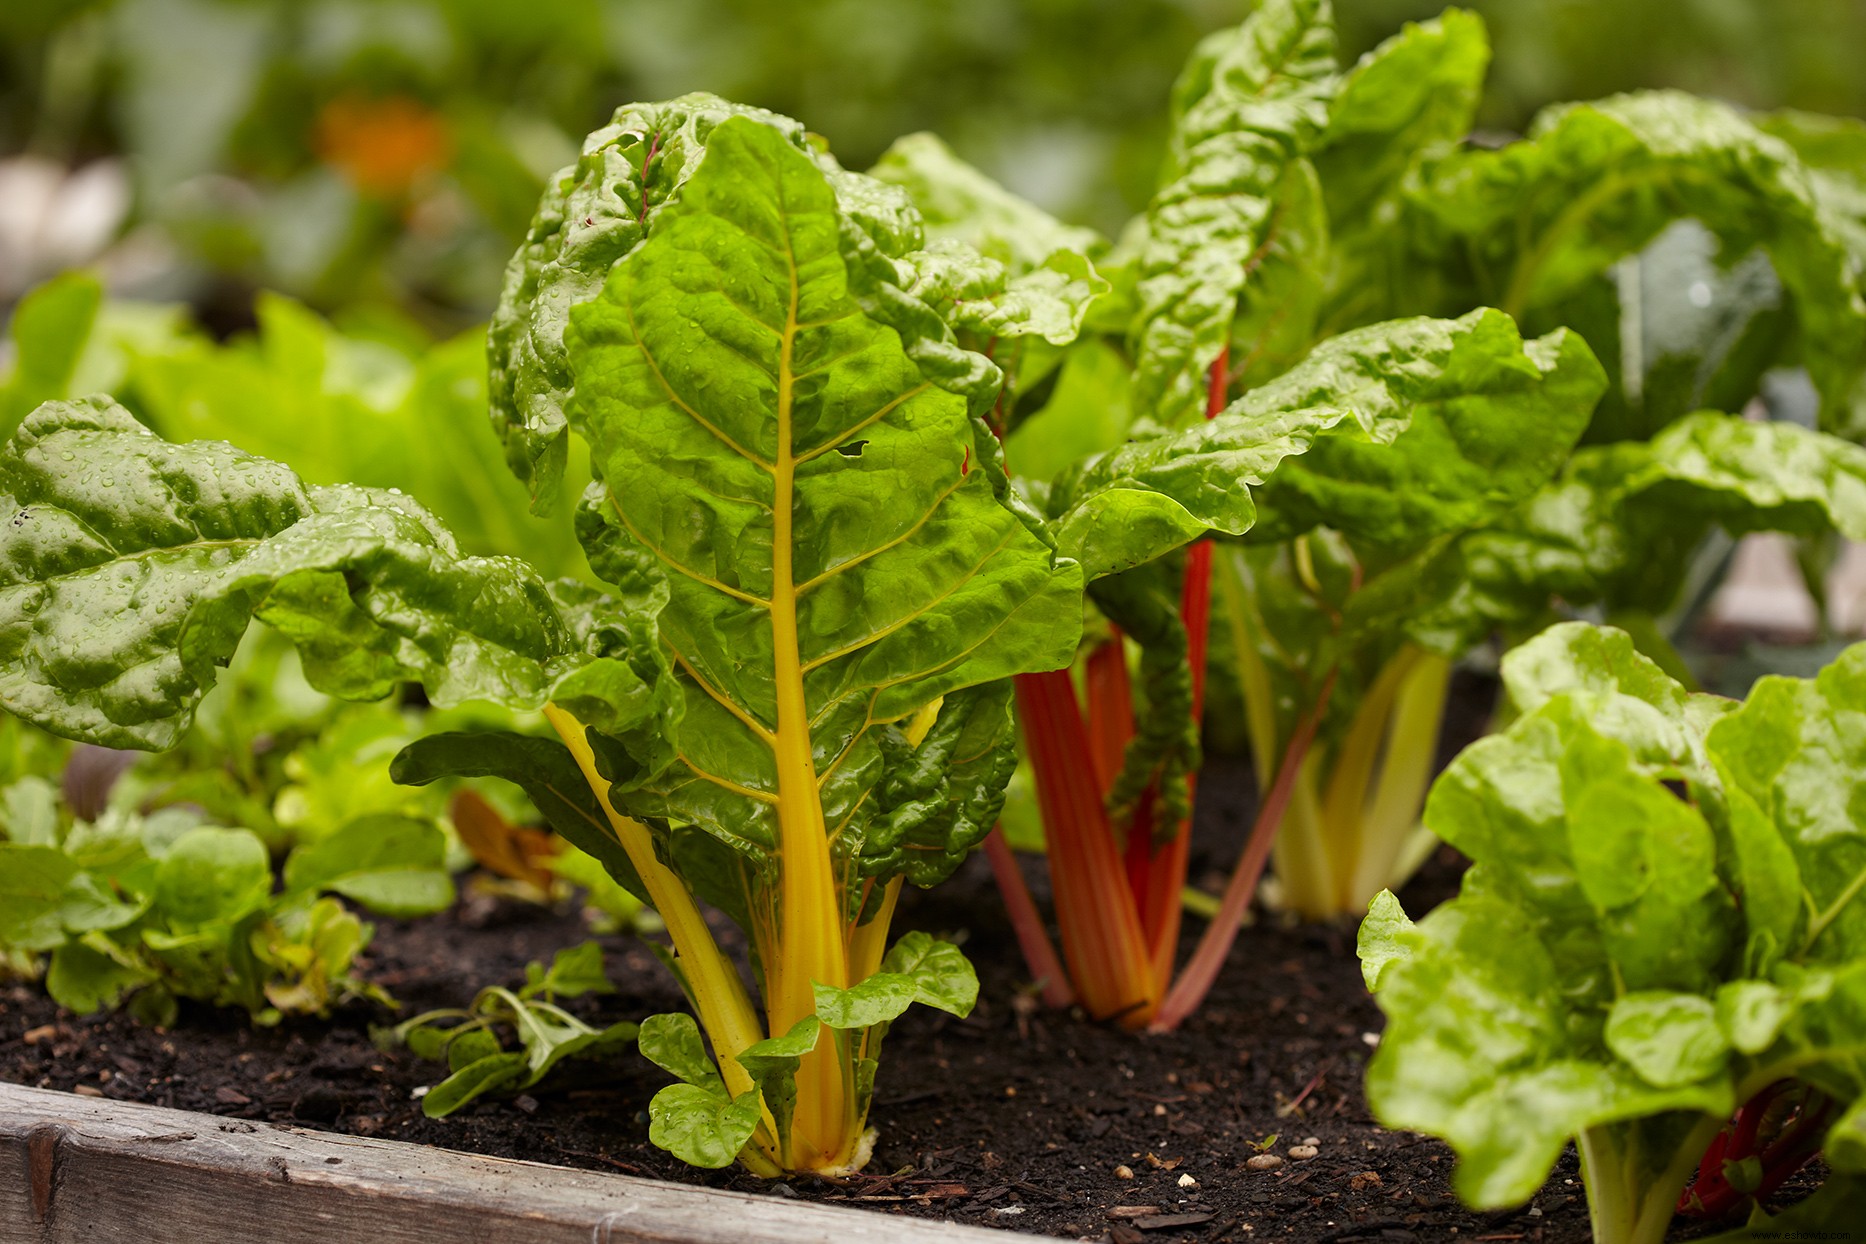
<point x="1711" y="1195"/>
<point x="1118" y="907"/>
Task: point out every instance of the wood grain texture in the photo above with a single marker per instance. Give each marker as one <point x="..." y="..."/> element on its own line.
<point x="78" y="1170"/>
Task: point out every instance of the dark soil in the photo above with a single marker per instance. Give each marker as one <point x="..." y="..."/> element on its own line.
<point x="1012" y="1118"/>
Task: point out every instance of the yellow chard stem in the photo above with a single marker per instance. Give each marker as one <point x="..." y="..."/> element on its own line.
<point x="718" y="994"/>
<point x="1350" y="786"/>
<point x="1399" y="787"/>
<point x="869" y="942"/>
<point x="811" y="945"/>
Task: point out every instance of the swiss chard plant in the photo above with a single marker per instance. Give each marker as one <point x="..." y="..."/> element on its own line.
<point x="1298" y="204"/>
<point x="1659" y="951"/>
<point x="789" y="697"/>
<point x="1135" y="442"/>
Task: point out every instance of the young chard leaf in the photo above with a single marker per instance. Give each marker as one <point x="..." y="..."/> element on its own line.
<point x="772" y="1064"/>
<point x="700" y="1127"/>
<point x="672" y="1042"/>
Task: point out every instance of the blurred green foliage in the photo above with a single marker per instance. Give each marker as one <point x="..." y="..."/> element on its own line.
<point x="359" y="151"/>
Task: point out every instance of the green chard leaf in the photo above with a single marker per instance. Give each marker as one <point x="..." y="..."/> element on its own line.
<point x="920" y="968"/>
<point x="1797" y="748"/>
<point x="1392" y="434"/>
<point x="130" y="568"/>
<point x="1596" y="182"/>
<point x="784" y="471"/>
<point x="1620" y="522"/>
<point x="959" y="203"/>
<point x="1246" y="109"/>
<point x="593" y="214"/>
<point x="1405" y="102"/>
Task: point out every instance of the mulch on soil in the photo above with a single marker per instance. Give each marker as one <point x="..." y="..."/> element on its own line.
<point x="1014" y="1117"/>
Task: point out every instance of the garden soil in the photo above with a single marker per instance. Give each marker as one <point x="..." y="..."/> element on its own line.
<point x="1013" y="1118"/>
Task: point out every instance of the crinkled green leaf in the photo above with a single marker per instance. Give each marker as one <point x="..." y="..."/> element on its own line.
<point x="1620" y="523"/>
<point x="1798" y="749"/>
<point x="1593" y="978"/>
<point x="1404" y="103"/>
<point x="1757" y="476"/>
<point x="944" y="794"/>
<point x="1595" y="182"/>
<point x="699" y="1127"/>
<point x="394" y="865"/>
<point x="1478" y="1049"/>
<point x="130" y="568"/>
<point x="1393" y="434"/>
<point x="1437" y="426"/>
<point x="1250" y="101"/>
<point x="1645" y="860"/>
<point x="978" y="295"/>
<point x="729" y="363"/>
<point x="593" y="213"/>
<point x="1833" y="150"/>
<point x="1627" y="696"/>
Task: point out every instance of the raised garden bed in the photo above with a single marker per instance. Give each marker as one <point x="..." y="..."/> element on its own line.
<point x="75" y="1168"/>
<point x="1013" y="1118"/>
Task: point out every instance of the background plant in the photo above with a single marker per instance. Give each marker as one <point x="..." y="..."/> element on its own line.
<point x="155" y="909"/>
<point x="472" y="1042"/>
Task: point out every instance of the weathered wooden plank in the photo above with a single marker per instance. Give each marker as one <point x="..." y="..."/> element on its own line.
<point x="78" y="1170"/>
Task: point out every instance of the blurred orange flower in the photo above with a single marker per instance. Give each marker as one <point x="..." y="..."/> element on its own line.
<point x="383" y="145"/>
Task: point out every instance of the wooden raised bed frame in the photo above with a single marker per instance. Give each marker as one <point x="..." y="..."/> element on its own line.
<point x="74" y="1170"/>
